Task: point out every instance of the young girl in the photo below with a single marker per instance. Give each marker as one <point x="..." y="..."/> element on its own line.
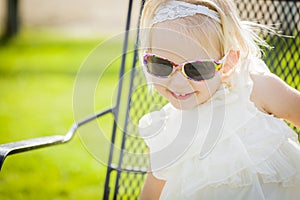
<point x="222" y="135"/>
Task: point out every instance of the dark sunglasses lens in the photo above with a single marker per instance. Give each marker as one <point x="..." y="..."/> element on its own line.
<point x="158" y="67"/>
<point x="200" y="70"/>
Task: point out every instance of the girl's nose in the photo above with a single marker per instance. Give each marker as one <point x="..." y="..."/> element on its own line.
<point x="178" y="80"/>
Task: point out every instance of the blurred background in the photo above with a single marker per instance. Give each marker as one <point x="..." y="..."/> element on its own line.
<point x="39" y="62"/>
<point x="55" y="51"/>
<point x="75" y="17"/>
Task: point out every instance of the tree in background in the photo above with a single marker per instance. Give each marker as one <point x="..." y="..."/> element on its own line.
<point x="12" y="19"/>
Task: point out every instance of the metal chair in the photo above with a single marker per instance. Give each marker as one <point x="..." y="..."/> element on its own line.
<point x="128" y="164"/>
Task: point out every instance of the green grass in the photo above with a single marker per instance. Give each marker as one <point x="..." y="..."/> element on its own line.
<point x="38" y="73"/>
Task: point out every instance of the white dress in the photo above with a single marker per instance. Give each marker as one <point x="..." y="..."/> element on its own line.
<point x="225" y="149"/>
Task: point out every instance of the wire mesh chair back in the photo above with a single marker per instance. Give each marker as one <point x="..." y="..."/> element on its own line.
<point x="128" y="166"/>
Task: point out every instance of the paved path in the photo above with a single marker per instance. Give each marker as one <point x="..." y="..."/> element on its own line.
<point x="75" y="16"/>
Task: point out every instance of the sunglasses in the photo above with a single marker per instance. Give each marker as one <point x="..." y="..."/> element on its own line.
<point x="197" y="70"/>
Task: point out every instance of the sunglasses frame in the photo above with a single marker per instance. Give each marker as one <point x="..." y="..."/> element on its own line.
<point x="176" y="66"/>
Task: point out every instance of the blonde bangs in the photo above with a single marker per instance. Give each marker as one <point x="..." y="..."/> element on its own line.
<point x="232" y="33"/>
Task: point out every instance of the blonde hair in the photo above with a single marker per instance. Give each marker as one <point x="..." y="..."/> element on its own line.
<point x="232" y="32"/>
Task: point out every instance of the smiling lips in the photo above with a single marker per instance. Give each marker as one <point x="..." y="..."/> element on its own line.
<point x="181" y="96"/>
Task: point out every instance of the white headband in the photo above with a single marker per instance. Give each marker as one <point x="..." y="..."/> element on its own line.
<point x="176" y="9"/>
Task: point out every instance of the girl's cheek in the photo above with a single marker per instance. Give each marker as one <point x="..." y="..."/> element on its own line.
<point x="161" y="90"/>
<point x="160" y="81"/>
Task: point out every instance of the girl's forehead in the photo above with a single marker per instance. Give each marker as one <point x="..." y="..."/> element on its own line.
<point x="176" y="41"/>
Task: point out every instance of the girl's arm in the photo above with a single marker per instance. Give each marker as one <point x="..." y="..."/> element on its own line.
<point x="274" y="96"/>
<point x="152" y="188"/>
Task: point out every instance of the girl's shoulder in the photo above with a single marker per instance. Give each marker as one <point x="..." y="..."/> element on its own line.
<point x="257" y="66"/>
<point x="273" y="96"/>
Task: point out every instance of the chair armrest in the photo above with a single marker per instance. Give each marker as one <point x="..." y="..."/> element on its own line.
<point x="35" y="143"/>
<point x="30" y="144"/>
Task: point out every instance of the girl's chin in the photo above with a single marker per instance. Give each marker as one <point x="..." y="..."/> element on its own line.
<point x="184" y="105"/>
<point x="188" y="104"/>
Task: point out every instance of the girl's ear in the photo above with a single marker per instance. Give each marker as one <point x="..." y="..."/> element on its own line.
<point x="230" y="62"/>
